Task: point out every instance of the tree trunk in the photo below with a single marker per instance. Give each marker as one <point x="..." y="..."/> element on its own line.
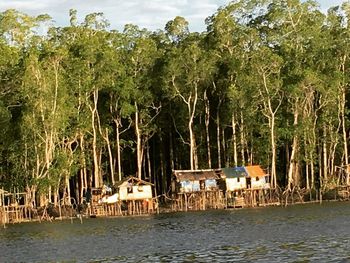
<point x="191" y="111"/>
<point x="345" y="139"/>
<point x="273" y="149"/>
<point x="94" y="141"/>
<point x="138" y="143"/>
<point x="307" y="176"/>
<point x="234" y="140"/>
<point x="241" y="130"/>
<point x="149" y="162"/>
<point x="325" y="154"/>
<point x="291" y="170"/>
<point x="218" y="133"/>
<point x="117" y="125"/>
<point x="207" y="120"/>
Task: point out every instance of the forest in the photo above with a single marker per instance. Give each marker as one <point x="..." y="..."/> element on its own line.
<point x="85" y="105"/>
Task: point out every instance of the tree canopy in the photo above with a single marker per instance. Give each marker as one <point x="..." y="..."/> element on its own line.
<point x="267" y="83"/>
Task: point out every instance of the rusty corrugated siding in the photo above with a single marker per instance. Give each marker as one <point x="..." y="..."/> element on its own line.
<point x="255" y="171"/>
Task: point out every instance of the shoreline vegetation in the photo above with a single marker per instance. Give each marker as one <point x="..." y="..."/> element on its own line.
<point x="84" y="106"/>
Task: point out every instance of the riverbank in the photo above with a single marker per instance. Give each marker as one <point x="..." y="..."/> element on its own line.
<point x="22" y="214"/>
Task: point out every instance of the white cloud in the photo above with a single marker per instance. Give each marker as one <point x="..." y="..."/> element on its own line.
<point x="152" y="14"/>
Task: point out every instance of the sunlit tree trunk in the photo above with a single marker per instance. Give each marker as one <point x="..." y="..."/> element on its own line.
<point x="207" y="120"/>
<point x="234" y="140"/>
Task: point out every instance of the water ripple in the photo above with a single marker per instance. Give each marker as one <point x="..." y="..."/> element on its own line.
<point x="306" y="233"/>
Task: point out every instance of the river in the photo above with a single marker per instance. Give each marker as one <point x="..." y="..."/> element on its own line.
<point x="301" y="233"/>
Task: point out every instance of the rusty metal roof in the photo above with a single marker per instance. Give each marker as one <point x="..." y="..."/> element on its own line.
<point x="255" y="171"/>
<point x="195" y="175"/>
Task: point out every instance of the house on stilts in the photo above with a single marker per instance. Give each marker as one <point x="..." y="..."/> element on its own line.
<point x="132" y="196"/>
<point x="236" y="184"/>
<point x="197" y="190"/>
<point x="248" y="186"/>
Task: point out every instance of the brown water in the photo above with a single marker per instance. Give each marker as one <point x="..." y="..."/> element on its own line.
<point x="304" y="233"/>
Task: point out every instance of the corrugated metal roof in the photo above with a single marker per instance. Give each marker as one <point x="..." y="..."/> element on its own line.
<point x="255" y="171"/>
<point x="189" y="175"/>
<point x="234" y="172"/>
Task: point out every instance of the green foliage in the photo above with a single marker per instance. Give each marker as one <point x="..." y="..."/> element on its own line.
<point x="256" y="60"/>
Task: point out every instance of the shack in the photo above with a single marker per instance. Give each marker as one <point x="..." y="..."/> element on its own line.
<point x="236" y="183"/>
<point x="132" y="196"/>
<point x="133" y="188"/>
<point x="137" y="196"/>
<point x="197" y="189"/>
<point x="235" y="178"/>
<point x="257" y="178"/>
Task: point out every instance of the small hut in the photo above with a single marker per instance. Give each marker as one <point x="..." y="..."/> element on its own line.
<point x="257" y="178"/>
<point x="133" y="188"/>
<point x="133" y="197"/>
<point x="197" y="189"/>
<point x="236" y="183"/>
<point x="235" y="178"/>
<point x="138" y="196"/>
<point x="188" y="181"/>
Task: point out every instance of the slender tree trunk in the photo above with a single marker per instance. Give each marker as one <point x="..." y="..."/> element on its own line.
<point x="117" y="125"/>
<point x="218" y="133"/>
<point x="345" y="138"/>
<point x="83" y="171"/>
<point x="149" y="162"/>
<point x="191" y="111"/>
<point x="291" y="170"/>
<point x="171" y="146"/>
<point x="325" y="154"/>
<point x="110" y="155"/>
<point x="207" y="120"/>
<point x="138" y="143"/>
<point x="94" y="141"/>
<point x="234" y="140"/>
<point x="273" y="149"/>
<point x="68" y="190"/>
<point x="224" y="147"/>
<point x="241" y="130"/>
<point x="307" y="176"/>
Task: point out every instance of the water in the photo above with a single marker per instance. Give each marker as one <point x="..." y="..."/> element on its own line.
<point x="304" y="233"/>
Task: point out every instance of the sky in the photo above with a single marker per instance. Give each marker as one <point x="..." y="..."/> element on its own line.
<point x="150" y="14"/>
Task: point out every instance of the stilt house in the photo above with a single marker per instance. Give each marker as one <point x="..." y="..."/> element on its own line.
<point x="236" y="184"/>
<point x="197" y="189"/>
<point x="257" y="178"/>
<point x="235" y="178"/>
<point x="133" y="188"/>
<point x="133" y="197"/>
<point x="188" y="181"/>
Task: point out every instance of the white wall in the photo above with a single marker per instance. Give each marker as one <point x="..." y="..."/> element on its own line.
<point x="138" y="192"/>
<point x="233" y="184"/>
<point x="260" y="183"/>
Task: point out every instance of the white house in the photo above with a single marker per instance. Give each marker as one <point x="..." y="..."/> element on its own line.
<point x="257" y="178"/>
<point x="134" y="189"/>
<point x="235" y="178"/>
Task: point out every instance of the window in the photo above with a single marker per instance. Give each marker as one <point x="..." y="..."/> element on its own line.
<point x="256" y="178"/>
<point x="129" y="189"/>
<point x="238" y="179"/>
<point x="202" y="184"/>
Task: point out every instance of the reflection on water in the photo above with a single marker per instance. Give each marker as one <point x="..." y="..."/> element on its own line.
<point x="305" y="233"/>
